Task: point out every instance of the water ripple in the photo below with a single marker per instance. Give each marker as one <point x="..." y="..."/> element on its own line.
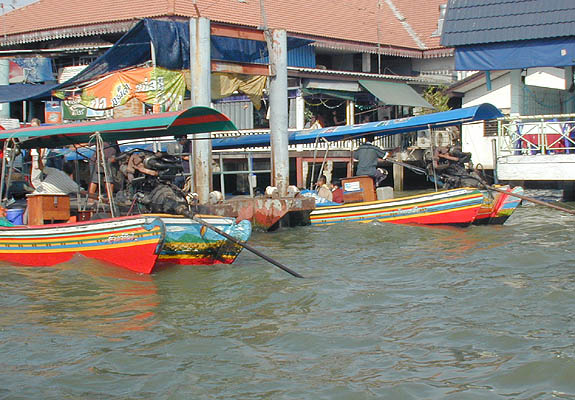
<point x="385" y="312"/>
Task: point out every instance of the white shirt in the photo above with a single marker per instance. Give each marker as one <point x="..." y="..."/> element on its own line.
<point x="56" y="182"/>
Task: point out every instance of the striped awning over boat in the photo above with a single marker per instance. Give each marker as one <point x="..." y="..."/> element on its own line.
<point x="196" y="119"/>
<point x="380" y="128"/>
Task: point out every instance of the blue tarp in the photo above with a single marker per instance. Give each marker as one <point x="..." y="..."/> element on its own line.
<point x="516" y="55"/>
<point x="86" y="153"/>
<point x="22" y="91"/>
<point x="381" y="128"/>
<point x="171" y="42"/>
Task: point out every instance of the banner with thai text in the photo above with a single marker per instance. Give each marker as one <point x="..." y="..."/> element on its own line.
<point x="150" y="85"/>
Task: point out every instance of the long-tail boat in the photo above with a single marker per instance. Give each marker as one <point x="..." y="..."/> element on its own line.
<point x="150" y="239"/>
<point x="132" y="242"/>
<point x="495" y="209"/>
<point x="457" y="207"/>
<point x="191" y="243"/>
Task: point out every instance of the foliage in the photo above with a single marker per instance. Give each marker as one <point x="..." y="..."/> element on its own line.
<point x="436" y="96"/>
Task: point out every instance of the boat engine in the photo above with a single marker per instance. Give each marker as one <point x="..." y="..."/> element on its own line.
<point x="150" y="176"/>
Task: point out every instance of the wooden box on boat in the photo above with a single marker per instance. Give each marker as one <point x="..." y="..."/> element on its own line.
<point x="358" y="189"/>
<point x="48" y="207"/>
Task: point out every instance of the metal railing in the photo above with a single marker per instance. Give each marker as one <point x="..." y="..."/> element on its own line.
<point x="530" y="135"/>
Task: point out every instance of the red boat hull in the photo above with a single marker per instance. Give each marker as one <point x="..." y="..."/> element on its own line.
<point x="128" y="242"/>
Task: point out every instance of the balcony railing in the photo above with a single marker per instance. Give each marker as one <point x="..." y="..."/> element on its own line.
<point x="552" y="134"/>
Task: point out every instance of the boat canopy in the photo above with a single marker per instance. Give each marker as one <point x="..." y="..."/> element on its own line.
<point x="197" y="119"/>
<point x="380" y="128"/>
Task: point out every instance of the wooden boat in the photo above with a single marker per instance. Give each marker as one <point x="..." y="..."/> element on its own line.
<point x="132" y="242"/>
<point x="497" y="207"/>
<point x="457" y="207"/>
<point x="190" y="243"/>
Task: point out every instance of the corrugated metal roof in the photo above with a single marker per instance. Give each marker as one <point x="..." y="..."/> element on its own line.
<point x="324" y="74"/>
<point x="469" y="22"/>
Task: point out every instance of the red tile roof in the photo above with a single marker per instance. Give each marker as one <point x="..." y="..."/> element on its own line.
<point x="398" y="23"/>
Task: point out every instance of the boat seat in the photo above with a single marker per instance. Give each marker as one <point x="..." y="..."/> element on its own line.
<point x="358" y="188"/>
<point x="48" y="207"/>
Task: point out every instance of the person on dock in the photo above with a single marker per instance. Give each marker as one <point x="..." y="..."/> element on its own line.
<point x="315" y="122"/>
<point x="368" y="156"/>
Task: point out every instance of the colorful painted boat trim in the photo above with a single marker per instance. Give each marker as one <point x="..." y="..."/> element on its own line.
<point x="129" y="242"/>
<point x="450" y="207"/>
<point x="190" y="243"/>
<point x="497" y="207"/>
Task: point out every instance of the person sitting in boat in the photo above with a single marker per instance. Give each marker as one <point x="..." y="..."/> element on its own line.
<point x="322" y="189"/>
<point x="368" y="156"/>
<point x="178" y="149"/>
<point x="450" y="165"/>
<point x="336" y="191"/>
<point x="55" y="181"/>
<point x="3" y="220"/>
<point x="111" y="151"/>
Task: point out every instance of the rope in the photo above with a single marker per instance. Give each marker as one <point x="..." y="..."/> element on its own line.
<point x="323" y="103"/>
<point x="324" y="157"/>
<point x="101" y="159"/>
<point x="432" y="156"/>
<point x="314" y="156"/>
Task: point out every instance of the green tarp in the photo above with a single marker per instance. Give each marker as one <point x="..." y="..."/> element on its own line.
<point x="395" y="93"/>
<point x="196" y="119"/>
<point x="339" y="94"/>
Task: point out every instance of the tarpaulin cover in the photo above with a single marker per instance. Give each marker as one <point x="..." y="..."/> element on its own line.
<point x="226" y="84"/>
<point x="22" y="91"/>
<point x="516" y="55"/>
<point x="380" y="128"/>
<point x="395" y="93"/>
<point x="171" y="41"/>
<point x="197" y="119"/>
<point x="339" y="94"/>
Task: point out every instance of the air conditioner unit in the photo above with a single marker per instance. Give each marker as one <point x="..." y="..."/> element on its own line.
<point x="423" y="139"/>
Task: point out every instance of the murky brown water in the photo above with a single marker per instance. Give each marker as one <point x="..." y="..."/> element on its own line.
<point x="385" y="312"/>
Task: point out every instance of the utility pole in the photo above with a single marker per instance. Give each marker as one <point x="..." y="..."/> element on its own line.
<point x="200" y="69"/>
<point x="279" y="110"/>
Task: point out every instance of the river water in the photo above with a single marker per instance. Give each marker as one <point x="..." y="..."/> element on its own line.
<point x="385" y="311"/>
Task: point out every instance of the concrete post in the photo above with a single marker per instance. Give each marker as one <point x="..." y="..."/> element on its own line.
<point x="397" y="178"/>
<point x="4" y="80"/>
<point x="300" y="111"/>
<point x="350" y="112"/>
<point x="279" y="111"/>
<point x="200" y="69"/>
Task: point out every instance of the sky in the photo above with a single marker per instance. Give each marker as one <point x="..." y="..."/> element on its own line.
<point x="10" y="4"/>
